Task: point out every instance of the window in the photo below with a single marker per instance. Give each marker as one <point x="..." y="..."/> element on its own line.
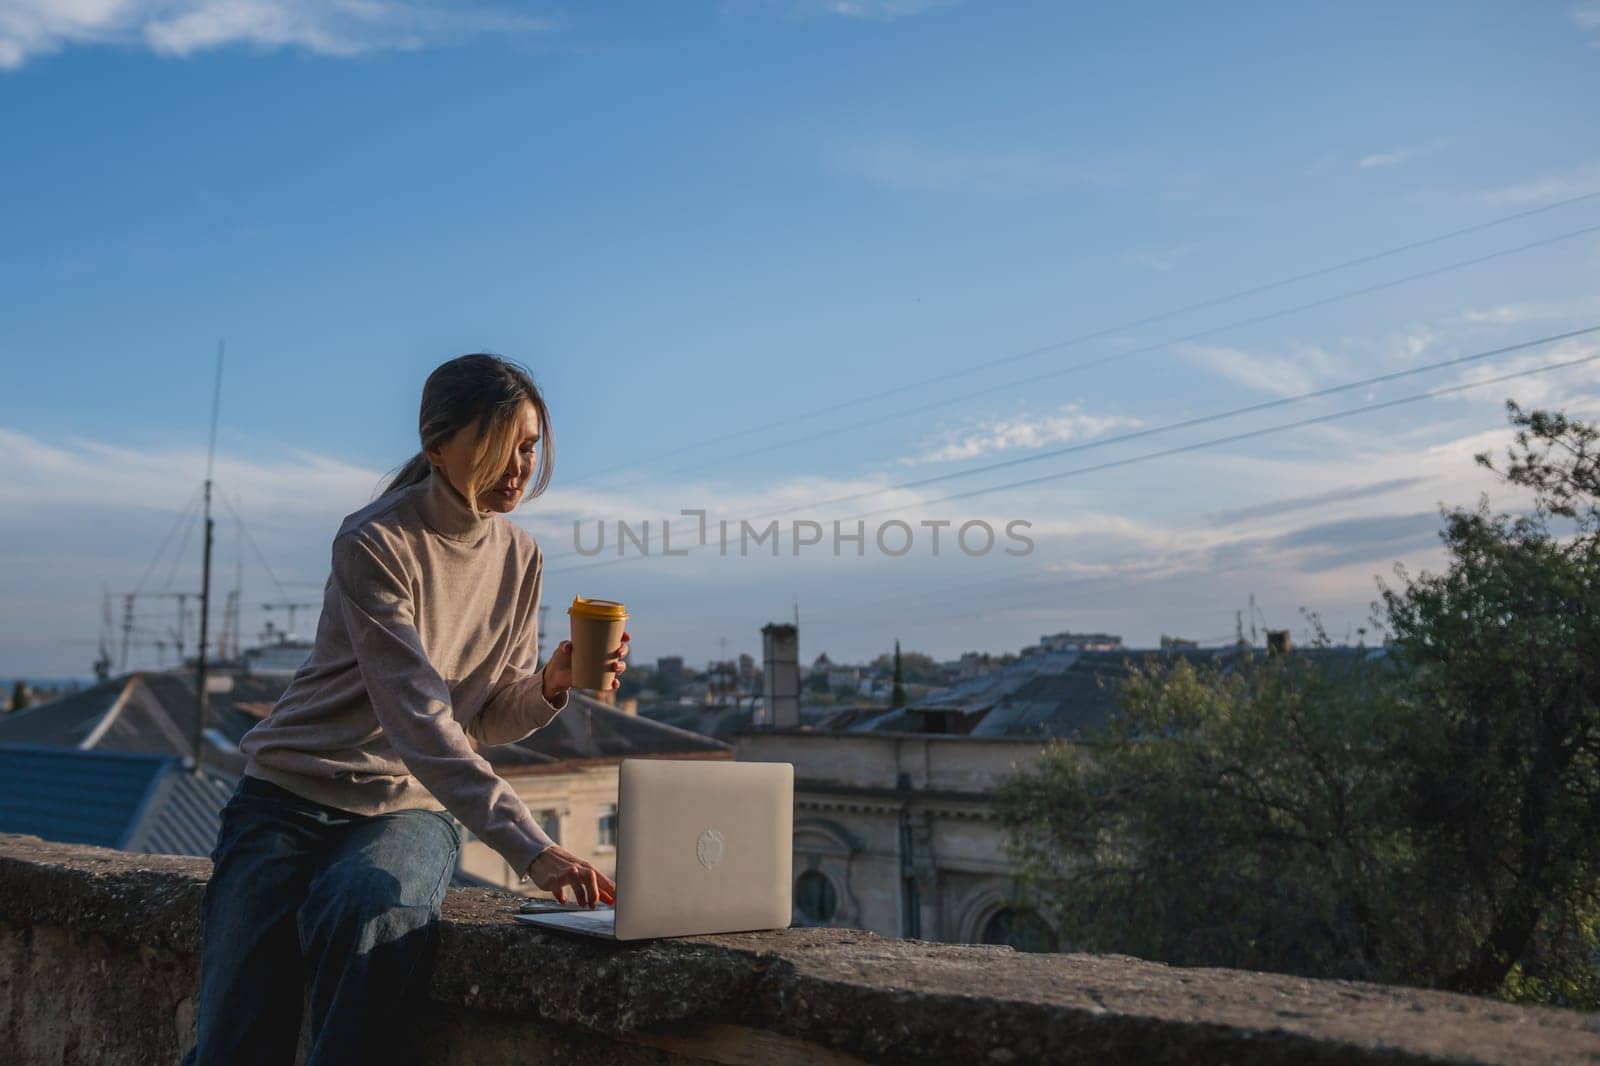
<point x="1022" y="929"/>
<point x="814" y="896"/>
<point x="550" y="821"/>
<point x="607" y="835"/>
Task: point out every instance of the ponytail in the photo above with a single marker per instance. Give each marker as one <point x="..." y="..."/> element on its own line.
<point x="416" y="469"/>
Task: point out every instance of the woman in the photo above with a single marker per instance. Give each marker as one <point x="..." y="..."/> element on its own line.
<point x="335" y="850"/>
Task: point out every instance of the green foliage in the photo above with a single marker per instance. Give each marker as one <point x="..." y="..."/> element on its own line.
<point x="898" y="697"/>
<point x="1232" y="813"/>
<point x="1425" y="816"/>
<point x="916" y="667"/>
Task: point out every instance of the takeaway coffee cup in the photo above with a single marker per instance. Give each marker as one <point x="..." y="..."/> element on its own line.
<point x="596" y="630"/>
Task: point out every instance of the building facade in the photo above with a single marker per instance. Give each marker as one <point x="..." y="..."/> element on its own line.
<point x="896" y="833"/>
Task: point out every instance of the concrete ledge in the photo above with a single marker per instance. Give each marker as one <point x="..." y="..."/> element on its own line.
<point x="98" y="963"/>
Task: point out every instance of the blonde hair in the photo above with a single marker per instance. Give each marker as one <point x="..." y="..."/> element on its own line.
<point x="485" y="391"/>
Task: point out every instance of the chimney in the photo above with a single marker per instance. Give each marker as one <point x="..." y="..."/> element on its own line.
<point x="780" y="688"/>
<point x="1277" y="642"/>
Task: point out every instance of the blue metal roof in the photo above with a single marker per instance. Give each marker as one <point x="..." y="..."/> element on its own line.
<point x="125" y="800"/>
<point x="76" y="797"/>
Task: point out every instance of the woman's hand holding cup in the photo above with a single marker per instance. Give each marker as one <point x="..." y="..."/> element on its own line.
<point x="592" y="659"/>
<point x="558" y="672"/>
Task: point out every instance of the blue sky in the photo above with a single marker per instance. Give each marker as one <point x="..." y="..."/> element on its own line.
<point x="708" y="222"/>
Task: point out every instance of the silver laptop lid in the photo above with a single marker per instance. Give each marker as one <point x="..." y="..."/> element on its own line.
<point x="703" y="846"/>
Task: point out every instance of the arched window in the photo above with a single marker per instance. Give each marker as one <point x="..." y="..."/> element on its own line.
<point x="1022" y="929"/>
<point x="814" y="895"/>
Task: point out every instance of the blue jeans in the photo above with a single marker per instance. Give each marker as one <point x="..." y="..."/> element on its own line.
<point x="301" y="892"/>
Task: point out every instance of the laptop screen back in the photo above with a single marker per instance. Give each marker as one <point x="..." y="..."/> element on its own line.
<point x="704" y="846"/>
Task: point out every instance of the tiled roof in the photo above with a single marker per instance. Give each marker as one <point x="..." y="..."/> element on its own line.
<point x="151" y="711"/>
<point x="130" y="801"/>
<point x="588" y="728"/>
<point x="65" y="722"/>
<point x="1063" y="694"/>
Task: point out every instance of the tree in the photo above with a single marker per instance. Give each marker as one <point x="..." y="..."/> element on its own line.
<point x="1423" y="813"/>
<point x="20" y="697"/>
<point x="898" y="697"/>
<point x="916" y="668"/>
<point x="1504" y="650"/>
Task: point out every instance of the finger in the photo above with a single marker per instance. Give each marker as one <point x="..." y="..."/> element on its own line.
<point x="580" y="887"/>
<point x="592" y="885"/>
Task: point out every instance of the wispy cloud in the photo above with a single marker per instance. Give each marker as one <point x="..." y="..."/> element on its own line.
<point x="31" y="28"/>
<point x="1517" y="313"/>
<point x="1178" y="542"/>
<point x="864" y="10"/>
<point x="1577" y="182"/>
<point x="1285" y="375"/>
<point x="1159" y="259"/>
<point x="1026" y="431"/>
<point x="1567" y="388"/>
<point x="905" y="165"/>
<point x="1343" y="494"/>
<point x="878" y="10"/>
<point x="42" y="476"/>
<point x="1586" y="16"/>
<point x="1396" y="156"/>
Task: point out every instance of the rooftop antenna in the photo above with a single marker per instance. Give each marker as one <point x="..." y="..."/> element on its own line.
<point x="205" y="575"/>
<point x="235" y="599"/>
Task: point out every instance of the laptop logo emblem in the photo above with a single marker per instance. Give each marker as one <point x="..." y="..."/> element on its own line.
<point x="708" y="849"/>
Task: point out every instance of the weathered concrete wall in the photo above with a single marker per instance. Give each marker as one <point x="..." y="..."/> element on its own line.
<point x="98" y="964"/>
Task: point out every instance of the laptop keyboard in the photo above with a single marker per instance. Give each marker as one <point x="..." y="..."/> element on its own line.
<point x="596" y="920"/>
<point x="585" y="919"/>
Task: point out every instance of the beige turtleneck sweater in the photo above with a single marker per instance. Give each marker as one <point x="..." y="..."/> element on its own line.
<point x="425" y="652"/>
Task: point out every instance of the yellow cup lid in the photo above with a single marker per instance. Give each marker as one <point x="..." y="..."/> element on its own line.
<point x="607" y="609"/>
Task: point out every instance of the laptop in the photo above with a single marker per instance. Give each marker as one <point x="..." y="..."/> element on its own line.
<point x="703" y="846"/>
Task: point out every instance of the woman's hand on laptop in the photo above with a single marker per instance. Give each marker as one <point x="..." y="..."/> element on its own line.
<point x="555" y="869"/>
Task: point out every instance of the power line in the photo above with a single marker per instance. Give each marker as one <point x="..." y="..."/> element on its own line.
<point x="178" y="556"/>
<point x="1097" y="334"/>
<point x="1029" y="596"/>
<point x="1115" y="357"/>
<point x="1187" y="423"/>
<point x="1251" y="434"/>
<point x="250" y="537"/>
<point x="156" y="560"/>
<point x="1182" y="449"/>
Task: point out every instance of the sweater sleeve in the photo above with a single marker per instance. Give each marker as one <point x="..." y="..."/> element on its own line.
<point x="412" y="704"/>
<point x="516" y="706"/>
